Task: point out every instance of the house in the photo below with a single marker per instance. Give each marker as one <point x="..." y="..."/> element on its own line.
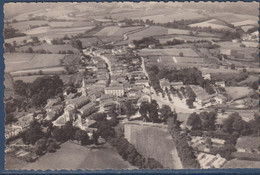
<point x="145" y="83"/>
<point x="164" y="83"/>
<point x="220" y="83"/>
<point x="116" y="90"/>
<point x="206" y="76"/>
<point x="248" y="144"/>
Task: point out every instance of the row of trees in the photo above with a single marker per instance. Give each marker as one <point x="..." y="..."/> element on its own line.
<point x="185" y="152"/>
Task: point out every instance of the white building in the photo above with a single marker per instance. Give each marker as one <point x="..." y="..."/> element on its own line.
<point x="117" y="91"/>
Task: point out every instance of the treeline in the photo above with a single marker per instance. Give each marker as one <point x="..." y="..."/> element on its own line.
<point x="124" y="148"/>
<point x="185" y="152"/>
<point x="10" y="32"/>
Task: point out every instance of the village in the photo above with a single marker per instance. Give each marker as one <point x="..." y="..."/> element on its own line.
<point x="202" y="93"/>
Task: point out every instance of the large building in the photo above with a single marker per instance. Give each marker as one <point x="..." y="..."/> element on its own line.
<point x="117" y="91"/>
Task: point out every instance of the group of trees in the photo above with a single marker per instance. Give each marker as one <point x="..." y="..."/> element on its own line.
<point x="235" y="123"/>
<point x="40" y="89"/>
<point x="145" y="42"/>
<point x="185" y="152"/>
<point x="57" y="41"/>
<point x="10" y="32"/>
<point x="46" y="145"/>
<point x="124" y="148"/>
<point x="65" y="52"/>
<point x="204" y="121"/>
<point x="149" y="111"/>
<point x="76" y="44"/>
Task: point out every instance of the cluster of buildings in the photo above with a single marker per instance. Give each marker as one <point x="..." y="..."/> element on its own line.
<point x="205" y="155"/>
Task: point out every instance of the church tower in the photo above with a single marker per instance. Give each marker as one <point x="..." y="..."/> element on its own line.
<point x="83" y="87"/>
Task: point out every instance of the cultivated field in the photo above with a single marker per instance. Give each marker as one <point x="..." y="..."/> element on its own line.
<point x="58" y="31"/>
<point x="80" y="158"/>
<point x="69" y="24"/>
<point x="49" y="47"/>
<point x="187" y="52"/>
<point x="25" y="25"/>
<point x="237" y="92"/>
<point x="209" y="23"/>
<point x="115" y="31"/>
<point x="226" y="16"/>
<point x="154" y="142"/>
<point x="15" y="62"/>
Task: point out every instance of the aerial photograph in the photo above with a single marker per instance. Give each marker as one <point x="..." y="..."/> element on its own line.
<point x="129" y="86"/>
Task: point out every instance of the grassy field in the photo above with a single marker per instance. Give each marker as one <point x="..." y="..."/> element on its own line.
<point x="209" y="23"/>
<point x="187" y="52"/>
<point x="15" y="62"/>
<point x="27" y="79"/>
<point x="235" y="17"/>
<point x="156" y="143"/>
<point x="25" y="25"/>
<point x="60" y="31"/>
<point x="49" y="47"/>
<point x="151" y="31"/>
<point x="69" y="24"/>
<point x="242" y="164"/>
<point x="72" y="156"/>
<point x="237" y="92"/>
<point x="159" y="16"/>
<point x="115" y="30"/>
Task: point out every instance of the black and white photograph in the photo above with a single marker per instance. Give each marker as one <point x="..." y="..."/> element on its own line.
<point x="129" y="86"/>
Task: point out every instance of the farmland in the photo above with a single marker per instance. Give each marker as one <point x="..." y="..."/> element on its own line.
<point x="27" y="79"/>
<point x="25" y="25"/>
<point x="187" y="52"/>
<point x="209" y="23"/>
<point x="115" y="31"/>
<point x="49" y="47"/>
<point x="154" y="142"/>
<point x="15" y="62"/>
<point x="80" y="158"/>
<point x="58" y="31"/>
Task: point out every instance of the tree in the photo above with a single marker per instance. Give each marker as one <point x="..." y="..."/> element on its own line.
<point x="82" y="137"/>
<point x="194" y="121"/>
<point x="33" y="134"/>
<point x="77" y="44"/>
<point x="129" y="108"/>
<point x="99" y="117"/>
<point x="95" y="137"/>
<point x="181" y="54"/>
<point x="166" y="112"/>
<point x="255" y="85"/>
<point x="232" y="66"/>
